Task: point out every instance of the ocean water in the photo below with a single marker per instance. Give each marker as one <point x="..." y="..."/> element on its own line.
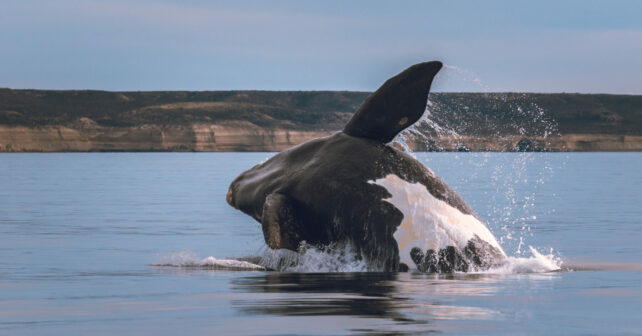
<point x="81" y="233"/>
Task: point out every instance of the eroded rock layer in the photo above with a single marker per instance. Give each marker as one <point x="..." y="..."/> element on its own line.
<point x="55" y="121"/>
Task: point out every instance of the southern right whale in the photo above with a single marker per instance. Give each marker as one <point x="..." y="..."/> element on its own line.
<point x="353" y="187"/>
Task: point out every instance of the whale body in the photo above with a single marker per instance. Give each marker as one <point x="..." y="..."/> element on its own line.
<point x="352" y="187"/>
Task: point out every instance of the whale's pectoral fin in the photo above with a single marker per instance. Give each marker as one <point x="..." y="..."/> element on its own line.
<point x="396" y="105"/>
<point x="377" y="243"/>
<point x="280" y="227"/>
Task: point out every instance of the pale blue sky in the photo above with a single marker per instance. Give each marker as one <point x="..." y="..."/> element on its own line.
<point x="529" y="46"/>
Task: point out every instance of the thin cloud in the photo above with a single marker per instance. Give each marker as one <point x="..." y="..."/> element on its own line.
<point x="186" y="16"/>
<point x="143" y="45"/>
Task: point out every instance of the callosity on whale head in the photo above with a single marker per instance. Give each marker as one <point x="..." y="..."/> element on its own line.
<point x="352" y="187"/>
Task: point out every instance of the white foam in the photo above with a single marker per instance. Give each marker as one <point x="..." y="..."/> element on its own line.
<point x="340" y="258"/>
<point x="332" y="258"/>
<point x="188" y="259"/>
<point x="430" y="223"/>
<point x="537" y="263"/>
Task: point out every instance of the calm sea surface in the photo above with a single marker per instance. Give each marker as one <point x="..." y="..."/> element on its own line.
<point x="79" y="234"/>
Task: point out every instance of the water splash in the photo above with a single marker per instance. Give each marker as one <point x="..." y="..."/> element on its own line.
<point x="536" y="263"/>
<point x="491" y="121"/>
<point x="187" y="259"/>
<point x="451" y="75"/>
<point x="481" y="121"/>
<point x="336" y="257"/>
<point x="343" y="258"/>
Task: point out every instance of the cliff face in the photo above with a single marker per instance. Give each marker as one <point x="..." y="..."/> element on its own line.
<point x="197" y="137"/>
<point x="559" y="143"/>
<point x="243" y="137"/>
<point x="53" y="121"/>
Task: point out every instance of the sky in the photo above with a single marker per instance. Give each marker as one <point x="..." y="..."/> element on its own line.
<point x="489" y="46"/>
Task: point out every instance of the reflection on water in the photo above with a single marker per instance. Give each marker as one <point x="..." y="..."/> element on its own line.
<point x="411" y="301"/>
<point x="360" y="294"/>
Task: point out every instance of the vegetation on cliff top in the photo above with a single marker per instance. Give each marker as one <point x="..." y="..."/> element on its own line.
<point x="315" y="110"/>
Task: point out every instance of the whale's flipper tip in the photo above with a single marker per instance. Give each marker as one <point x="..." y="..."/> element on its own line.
<point x="396" y="105"/>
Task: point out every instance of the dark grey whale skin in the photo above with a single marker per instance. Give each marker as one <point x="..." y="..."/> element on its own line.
<point x="319" y="191"/>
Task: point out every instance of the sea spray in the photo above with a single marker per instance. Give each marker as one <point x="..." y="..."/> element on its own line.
<point x="336" y="257"/>
<point x="187" y="259"/>
<point x="536" y="263"/>
<point x="450" y="121"/>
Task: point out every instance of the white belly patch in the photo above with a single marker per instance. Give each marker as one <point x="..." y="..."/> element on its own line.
<point x="429" y="223"/>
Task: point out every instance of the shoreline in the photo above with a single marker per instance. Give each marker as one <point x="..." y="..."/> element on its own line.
<point x="245" y="138"/>
<point x="250" y="121"/>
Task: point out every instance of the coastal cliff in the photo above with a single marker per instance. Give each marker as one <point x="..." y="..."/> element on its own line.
<point x="70" y="121"/>
<point x="225" y="137"/>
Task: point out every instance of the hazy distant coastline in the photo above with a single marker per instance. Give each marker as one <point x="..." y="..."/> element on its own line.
<point x="62" y="121"/>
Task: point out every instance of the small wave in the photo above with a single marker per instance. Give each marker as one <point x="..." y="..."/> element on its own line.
<point x="537" y="263"/>
<point x="189" y="260"/>
<point x="343" y="258"/>
<point x="602" y="265"/>
<point x="339" y="258"/>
